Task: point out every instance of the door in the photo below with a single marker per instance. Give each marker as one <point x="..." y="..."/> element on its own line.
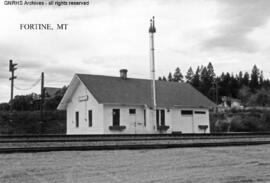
<point x="136" y="123"/>
<point x="184" y="122"/>
<point x="201" y="121"/>
<point x="116" y="117"/>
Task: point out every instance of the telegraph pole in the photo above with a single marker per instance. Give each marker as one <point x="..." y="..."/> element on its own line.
<point x="12" y="68"/>
<point x="42" y="96"/>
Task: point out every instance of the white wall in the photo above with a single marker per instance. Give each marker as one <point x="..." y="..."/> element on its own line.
<point x="134" y="123"/>
<point x="201" y="119"/>
<point x="82" y="107"/>
<point x="189" y="123"/>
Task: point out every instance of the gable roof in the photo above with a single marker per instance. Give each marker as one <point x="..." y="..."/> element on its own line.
<point x="130" y="91"/>
<point x="51" y="91"/>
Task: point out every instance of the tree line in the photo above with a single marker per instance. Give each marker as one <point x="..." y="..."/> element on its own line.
<point x="32" y="102"/>
<point x="251" y="88"/>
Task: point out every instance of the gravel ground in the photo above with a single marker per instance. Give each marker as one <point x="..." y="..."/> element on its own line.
<point x="216" y="164"/>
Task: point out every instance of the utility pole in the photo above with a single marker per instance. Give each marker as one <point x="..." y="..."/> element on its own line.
<point x="12" y="68"/>
<point x="152" y="30"/>
<point x="42" y="96"/>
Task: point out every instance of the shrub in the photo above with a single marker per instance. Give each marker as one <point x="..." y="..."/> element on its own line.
<point x="28" y="122"/>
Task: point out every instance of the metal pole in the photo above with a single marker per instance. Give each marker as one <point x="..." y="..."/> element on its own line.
<point x="152" y="30"/>
<point x="152" y="53"/>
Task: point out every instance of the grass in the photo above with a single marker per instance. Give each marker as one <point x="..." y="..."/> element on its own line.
<point x="219" y="164"/>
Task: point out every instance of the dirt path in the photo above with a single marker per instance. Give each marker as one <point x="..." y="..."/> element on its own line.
<point x="220" y="164"/>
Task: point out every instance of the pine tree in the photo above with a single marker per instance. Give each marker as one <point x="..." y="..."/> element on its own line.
<point x="170" y="77"/>
<point x="177" y="76"/>
<point x="211" y="72"/>
<point x="205" y="81"/>
<point x="164" y="78"/>
<point x="189" y="76"/>
<point x="224" y="85"/>
<point x="239" y="78"/>
<point x="254" y="78"/>
<point x="196" y="81"/>
<point x="234" y="86"/>
<point x="245" y="80"/>
<point x="159" y="78"/>
<point x="261" y="79"/>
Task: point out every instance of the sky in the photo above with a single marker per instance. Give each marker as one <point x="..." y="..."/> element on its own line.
<point x="109" y="35"/>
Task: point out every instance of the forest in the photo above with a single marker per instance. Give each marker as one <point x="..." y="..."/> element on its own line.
<point x="251" y="88"/>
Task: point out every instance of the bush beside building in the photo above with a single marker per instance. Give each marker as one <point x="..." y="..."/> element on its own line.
<point x="28" y="122"/>
<point x="252" y="120"/>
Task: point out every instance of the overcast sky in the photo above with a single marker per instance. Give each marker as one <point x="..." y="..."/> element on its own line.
<point x="112" y="34"/>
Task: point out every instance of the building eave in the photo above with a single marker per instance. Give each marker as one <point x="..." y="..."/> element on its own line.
<point x="68" y="94"/>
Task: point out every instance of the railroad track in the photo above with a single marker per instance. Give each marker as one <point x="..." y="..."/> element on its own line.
<point x="37" y="143"/>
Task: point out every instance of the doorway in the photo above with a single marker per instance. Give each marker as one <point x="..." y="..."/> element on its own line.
<point x="116" y="117"/>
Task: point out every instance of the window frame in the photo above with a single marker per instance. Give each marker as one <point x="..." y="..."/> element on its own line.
<point x="187" y="112"/>
<point x="77" y="119"/>
<point x="144" y="117"/>
<point x="90" y="118"/>
<point x="113" y="122"/>
<point x="199" y="112"/>
<point x="133" y="111"/>
<point x="160" y="117"/>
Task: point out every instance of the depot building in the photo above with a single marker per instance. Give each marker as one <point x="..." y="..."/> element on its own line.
<point x="97" y="104"/>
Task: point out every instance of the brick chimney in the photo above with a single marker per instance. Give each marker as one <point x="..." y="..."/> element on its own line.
<point x="123" y="73"/>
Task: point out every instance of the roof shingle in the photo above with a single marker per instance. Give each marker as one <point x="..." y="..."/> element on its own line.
<point x="107" y="89"/>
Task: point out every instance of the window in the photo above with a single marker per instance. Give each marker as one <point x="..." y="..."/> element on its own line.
<point x="144" y="117"/>
<point x="90" y="118"/>
<point x="132" y="111"/>
<point x="160" y="117"/>
<point x="116" y="117"/>
<point x="77" y="119"/>
<point x="186" y="112"/>
<point x="157" y="117"/>
<point x="200" y="112"/>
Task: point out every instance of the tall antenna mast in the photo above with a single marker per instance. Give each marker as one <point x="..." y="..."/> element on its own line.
<point x="152" y="30"/>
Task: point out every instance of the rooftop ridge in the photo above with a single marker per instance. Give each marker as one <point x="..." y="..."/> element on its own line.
<point x="132" y="78"/>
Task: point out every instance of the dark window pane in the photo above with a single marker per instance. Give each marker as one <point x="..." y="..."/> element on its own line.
<point x="90" y="118"/>
<point x="186" y="112"/>
<point x="116" y="117"/>
<point x="144" y="117"/>
<point x="77" y="119"/>
<point x="157" y="117"/>
<point x="132" y="111"/>
<point x="162" y="117"/>
<point x="200" y="112"/>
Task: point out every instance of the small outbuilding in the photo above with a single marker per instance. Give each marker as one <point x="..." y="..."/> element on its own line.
<point x="97" y="104"/>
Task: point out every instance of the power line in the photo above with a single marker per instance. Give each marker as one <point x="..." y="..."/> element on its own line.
<point x="29" y="88"/>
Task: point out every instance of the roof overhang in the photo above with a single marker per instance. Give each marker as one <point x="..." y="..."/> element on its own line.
<point x="68" y="95"/>
<point x="190" y="106"/>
